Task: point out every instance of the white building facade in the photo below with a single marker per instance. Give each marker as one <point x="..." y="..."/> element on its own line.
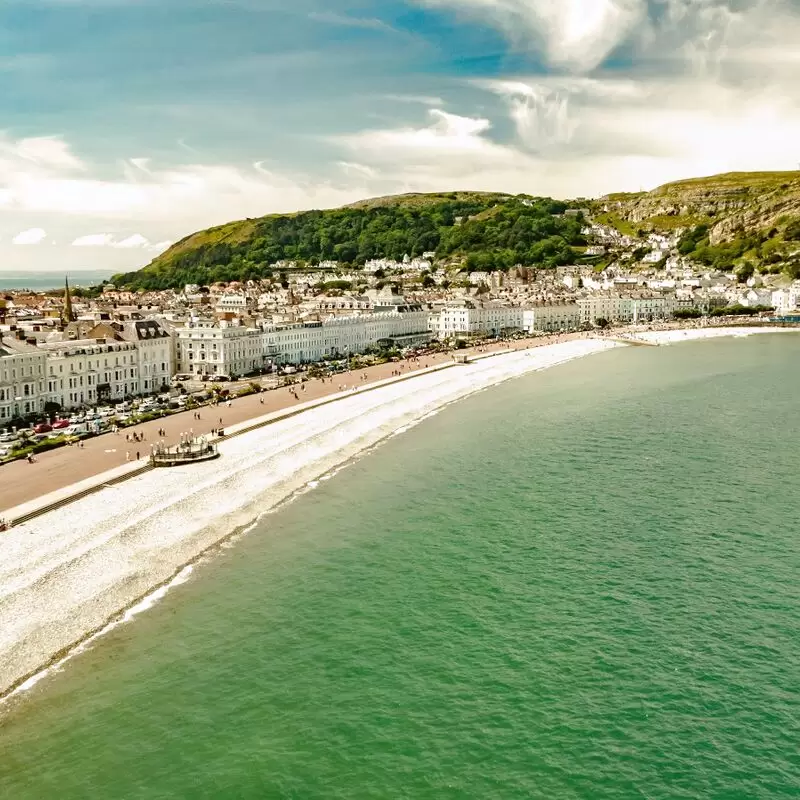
<point x="205" y="348"/>
<point x="90" y="371"/>
<point x="551" y="317"/>
<point x="22" y="379"/>
<point x="471" y="318"/>
<point x="154" y="348"/>
<point x="627" y="308"/>
<point x="393" y="325"/>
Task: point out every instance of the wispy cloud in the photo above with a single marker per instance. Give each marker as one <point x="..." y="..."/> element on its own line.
<point x="344" y="20"/>
<point x="421" y="99"/>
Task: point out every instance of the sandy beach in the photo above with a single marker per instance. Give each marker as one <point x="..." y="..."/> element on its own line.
<point x="67" y="574"/>
<point x="57" y="469"/>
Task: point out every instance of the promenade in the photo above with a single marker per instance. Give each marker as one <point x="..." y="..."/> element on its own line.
<point x="22" y="482"/>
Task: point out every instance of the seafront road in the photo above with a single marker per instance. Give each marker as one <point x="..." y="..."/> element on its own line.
<point x="21" y="482"/>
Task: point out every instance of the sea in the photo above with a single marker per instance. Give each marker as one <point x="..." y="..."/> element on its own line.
<point x="581" y="583"/>
<point x="44" y="280"/>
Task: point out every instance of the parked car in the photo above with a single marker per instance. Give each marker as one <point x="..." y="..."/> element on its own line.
<point x="60" y="423"/>
<point x="42" y="427"/>
<point x="7" y="438"/>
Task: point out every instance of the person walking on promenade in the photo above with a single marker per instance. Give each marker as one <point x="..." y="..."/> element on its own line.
<point x="127" y="455"/>
<point x="137" y="455"/>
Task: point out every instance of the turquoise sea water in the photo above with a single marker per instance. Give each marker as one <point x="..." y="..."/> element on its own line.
<point x="579" y="584"/>
<point x="42" y="280"/>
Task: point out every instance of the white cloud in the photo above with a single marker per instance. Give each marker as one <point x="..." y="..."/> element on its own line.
<point x="448" y="136"/>
<point x="94" y="240"/>
<point x="189" y="196"/>
<point x="131" y="242"/>
<point x="46" y="151"/>
<point x="695" y="126"/>
<point x="705" y="37"/>
<point x="160" y="247"/>
<point x="30" y="236"/>
<point x="135" y="240"/>
<point x="575" y="34"/>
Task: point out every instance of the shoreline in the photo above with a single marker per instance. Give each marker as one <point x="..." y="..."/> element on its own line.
<point x="62" y="588"/>
<point x="62" y="585"/>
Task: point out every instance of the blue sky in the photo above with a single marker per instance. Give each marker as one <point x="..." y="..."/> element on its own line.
<point x="126" y="124"/>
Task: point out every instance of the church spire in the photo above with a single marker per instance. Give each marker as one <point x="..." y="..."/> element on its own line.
<point x="69" y="314"/>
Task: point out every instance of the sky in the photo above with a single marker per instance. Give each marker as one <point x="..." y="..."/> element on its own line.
<point x="128" y="124"/>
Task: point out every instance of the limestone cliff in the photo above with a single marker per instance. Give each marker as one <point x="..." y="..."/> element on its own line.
<point x="730" y="204"/>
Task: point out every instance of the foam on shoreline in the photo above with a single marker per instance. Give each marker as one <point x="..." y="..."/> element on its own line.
<point x="693" y="334"/>
<point x="68" y="575"/>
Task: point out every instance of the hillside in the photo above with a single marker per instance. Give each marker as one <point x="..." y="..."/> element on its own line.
<point x="744" y="221"/>
<point x="492" y="231"/>
<point x="729" y="204"/>
<point x="731" y="221"/>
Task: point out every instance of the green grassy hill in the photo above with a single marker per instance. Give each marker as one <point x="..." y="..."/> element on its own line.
<point x="728" y="219"/>
<point x="489" y="230"/>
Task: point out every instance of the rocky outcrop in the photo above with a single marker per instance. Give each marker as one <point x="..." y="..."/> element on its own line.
<point x="730" y="204"/>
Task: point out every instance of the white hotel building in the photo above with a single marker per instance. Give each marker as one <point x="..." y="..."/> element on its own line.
<point x="155" y="357"/>
<point x="207" y="348"/>
<point x="468" y="317"/>
<point x="89" y="371"/>
<point x="551" y="316"/>
<point x="628" y="307"/>
<point x="22" y="373"/>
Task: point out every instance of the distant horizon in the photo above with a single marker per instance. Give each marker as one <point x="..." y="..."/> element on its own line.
<point x="45" y="279"/>
<point x="160" y="119"/>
